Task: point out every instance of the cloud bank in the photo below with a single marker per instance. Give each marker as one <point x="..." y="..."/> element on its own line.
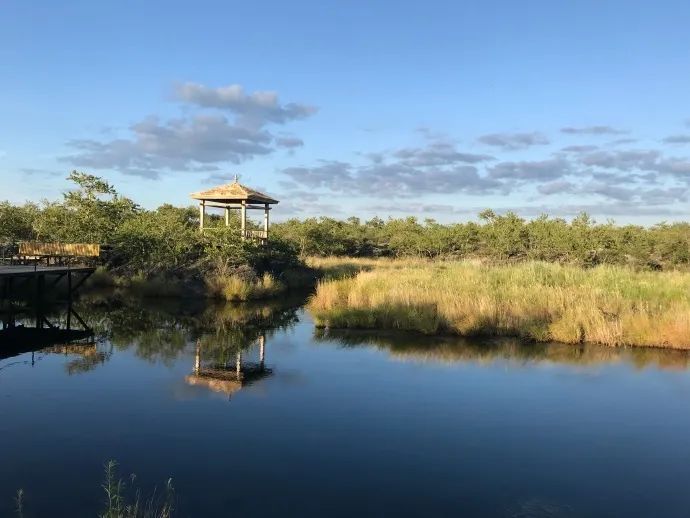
<point x="226" y="125"/>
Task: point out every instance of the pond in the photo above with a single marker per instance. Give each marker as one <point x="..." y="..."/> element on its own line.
<point x="254" y="412"/>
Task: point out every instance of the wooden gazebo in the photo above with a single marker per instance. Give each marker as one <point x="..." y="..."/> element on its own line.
<point x="233" y="196"/>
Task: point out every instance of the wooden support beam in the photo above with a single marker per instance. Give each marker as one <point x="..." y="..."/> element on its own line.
<point x="266" y="209"/>
<point x="58" y="278"/>
<point x="222" y="205"/>
<point x="81" y="281"/>
<point x="83" y="324"/>
<point x="202" y="214"/>
<point x="243" y="219"/>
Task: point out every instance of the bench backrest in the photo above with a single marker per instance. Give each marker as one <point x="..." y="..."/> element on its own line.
<point x="34" y="249"/>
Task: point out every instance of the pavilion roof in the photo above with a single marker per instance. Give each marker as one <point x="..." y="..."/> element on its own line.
<point x="233" y="192"/>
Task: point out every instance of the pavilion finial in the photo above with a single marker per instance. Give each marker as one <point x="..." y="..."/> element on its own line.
<point x="237" y="178"/>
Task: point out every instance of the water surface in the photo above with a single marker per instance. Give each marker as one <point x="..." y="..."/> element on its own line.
<point x="339" y="424"/>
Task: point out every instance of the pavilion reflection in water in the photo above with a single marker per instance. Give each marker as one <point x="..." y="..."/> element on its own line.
<point x="229" y="375"/>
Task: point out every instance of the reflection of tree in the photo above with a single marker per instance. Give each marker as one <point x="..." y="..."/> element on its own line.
<point x="229" y="328"/>
<point x="88" y="356"/>
<point x="161" y="330"/>
<point x="415" y="347"/>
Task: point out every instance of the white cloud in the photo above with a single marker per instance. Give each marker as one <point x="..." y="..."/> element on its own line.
<point x="199" y="141"/>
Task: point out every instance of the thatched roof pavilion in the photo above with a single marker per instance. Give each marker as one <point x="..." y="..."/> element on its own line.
<point x="234" y="195"/>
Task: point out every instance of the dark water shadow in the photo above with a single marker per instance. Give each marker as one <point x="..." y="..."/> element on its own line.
<point x="31" y="328"/>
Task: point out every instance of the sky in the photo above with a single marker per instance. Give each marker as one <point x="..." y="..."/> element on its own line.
<point x="434" y="109"/>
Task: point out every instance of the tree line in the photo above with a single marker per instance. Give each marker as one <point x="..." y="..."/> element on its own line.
<point x="167" y="238"/>
<point x="501" y="237"/>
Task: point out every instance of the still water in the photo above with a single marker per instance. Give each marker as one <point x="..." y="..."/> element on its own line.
<point x="339" y="424"/>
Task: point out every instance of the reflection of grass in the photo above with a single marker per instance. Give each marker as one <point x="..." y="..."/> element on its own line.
<point x="123" y="501"/>
<point x="454" y="349"/>
<point x="538" y="301"/>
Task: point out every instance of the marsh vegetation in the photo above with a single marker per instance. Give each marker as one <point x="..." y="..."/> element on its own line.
<point x="537" y="301"/>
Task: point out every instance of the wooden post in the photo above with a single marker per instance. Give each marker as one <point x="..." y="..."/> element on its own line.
<point x="227" y="217"/>
<point x="202" y="214"/>
<point x="197" y="358"/>
<point x="69" y="300"/>
<point x="243" y="217"/>
<point x="266" y="209"/>
<point x="238" y="365"/>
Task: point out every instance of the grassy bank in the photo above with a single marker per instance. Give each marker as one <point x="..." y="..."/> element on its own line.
<point x="537" y="301"/>
<point x="230" y="284"/>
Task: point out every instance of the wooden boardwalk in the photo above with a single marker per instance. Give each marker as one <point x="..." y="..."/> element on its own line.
<point x="28" y="271"/>
<point x="45" y="278"/>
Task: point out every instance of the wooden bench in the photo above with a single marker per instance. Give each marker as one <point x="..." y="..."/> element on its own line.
<point x="58" y="252"/>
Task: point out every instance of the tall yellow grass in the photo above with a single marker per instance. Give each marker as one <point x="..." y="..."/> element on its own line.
<point x="340" y="267"/>
<point x="238" y="288"/>
<point x="538" y="301"/>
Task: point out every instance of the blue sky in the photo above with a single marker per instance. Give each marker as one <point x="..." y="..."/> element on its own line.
<point x="433" y="109"/>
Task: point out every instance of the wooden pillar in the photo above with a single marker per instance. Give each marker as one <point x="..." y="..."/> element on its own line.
<point x="266" y="209"/>
<point x="69" y="300"/>
<point x="243" y="218"/>
<point x="197" y="357"/>
<point x="227" y="217"/>
<point x="40" y="287"/>
<point x="202" y="214"/>
<point x="238" y="365"/>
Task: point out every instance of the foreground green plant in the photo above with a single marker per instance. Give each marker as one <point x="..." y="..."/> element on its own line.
<point x="120" y="502"/>
<point x="536" y="301"/>
<point x="117" y="504"/>
<point x="19" y="503"/>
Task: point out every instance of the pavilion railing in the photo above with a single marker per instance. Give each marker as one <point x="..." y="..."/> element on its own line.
<point x="259" y="235"/>
<point x="256" y="234"/>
